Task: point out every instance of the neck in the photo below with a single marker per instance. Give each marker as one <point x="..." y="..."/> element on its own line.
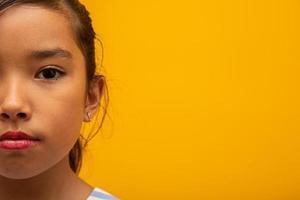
<point x="58" y="182"/>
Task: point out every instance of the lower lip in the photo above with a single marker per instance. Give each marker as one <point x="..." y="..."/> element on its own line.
<point x="17" y="144"/>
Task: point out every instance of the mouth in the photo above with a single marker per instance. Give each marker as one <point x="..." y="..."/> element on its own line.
<point x="17" y="140"/>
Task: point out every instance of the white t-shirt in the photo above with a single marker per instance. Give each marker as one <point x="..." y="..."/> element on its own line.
<point x="99" y="194"/>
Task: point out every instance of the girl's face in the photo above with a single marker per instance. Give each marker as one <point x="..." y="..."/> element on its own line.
<point x="42" y="74"/>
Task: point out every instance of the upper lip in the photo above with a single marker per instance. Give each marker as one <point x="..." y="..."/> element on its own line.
<point x="16" y="135"/>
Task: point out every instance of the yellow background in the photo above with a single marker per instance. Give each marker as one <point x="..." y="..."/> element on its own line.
<point x="204" y="102"/>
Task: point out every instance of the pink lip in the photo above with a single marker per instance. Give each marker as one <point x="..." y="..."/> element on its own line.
<point x="17" y="140"/>
<point x="16" y="135"/>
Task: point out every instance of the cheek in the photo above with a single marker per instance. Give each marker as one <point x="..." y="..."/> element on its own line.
<point x="62" y="118"/>
<point x="65" y="125"/>
<point x="61" y="131"/>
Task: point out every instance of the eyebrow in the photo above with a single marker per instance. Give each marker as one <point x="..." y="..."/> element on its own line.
<point x="48" y="53"/>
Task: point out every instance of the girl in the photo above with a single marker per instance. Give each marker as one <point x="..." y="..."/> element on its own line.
<point x="48" y="87"/>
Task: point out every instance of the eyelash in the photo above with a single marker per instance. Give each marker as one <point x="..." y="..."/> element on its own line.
<point x="61" y="73"/>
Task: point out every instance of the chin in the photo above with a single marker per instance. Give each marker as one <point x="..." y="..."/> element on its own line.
<point x="18" y="170"/>
<point x="18" y="174"/>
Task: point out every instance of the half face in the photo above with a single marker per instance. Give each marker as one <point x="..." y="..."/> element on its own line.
<point x="42" y="75"/>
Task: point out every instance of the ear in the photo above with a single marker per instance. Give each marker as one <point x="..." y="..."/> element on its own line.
<point x="93" y="97"/>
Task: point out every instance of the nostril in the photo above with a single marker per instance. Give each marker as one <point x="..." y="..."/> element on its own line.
<point x="21" y="115"/>
<point x="4" y="115"/>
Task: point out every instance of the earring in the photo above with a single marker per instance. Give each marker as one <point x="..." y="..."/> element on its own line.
<point x="89" y="116"/>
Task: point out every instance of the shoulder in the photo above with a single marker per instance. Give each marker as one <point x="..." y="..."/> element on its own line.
<point x="99" y="194"/>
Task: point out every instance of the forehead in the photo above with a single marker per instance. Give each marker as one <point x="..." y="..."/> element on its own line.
<point x="27" y="27"/>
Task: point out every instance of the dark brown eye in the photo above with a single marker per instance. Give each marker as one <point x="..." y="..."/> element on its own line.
<point x="50" y="73"/>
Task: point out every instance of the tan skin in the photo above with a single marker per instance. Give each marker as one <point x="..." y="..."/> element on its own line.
<point x="54" y="108"/>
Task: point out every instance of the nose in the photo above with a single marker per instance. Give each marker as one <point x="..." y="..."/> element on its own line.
<point x="13" y="117"/>
<point x="13" y="104"/>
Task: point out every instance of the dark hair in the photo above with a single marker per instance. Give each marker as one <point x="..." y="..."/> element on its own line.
<point x="85" y="37"/>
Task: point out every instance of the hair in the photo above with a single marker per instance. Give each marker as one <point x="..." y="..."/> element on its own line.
<point x="85" y="38"/>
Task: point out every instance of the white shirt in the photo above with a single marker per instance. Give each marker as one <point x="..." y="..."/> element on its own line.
<point x="99" y="194"/>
